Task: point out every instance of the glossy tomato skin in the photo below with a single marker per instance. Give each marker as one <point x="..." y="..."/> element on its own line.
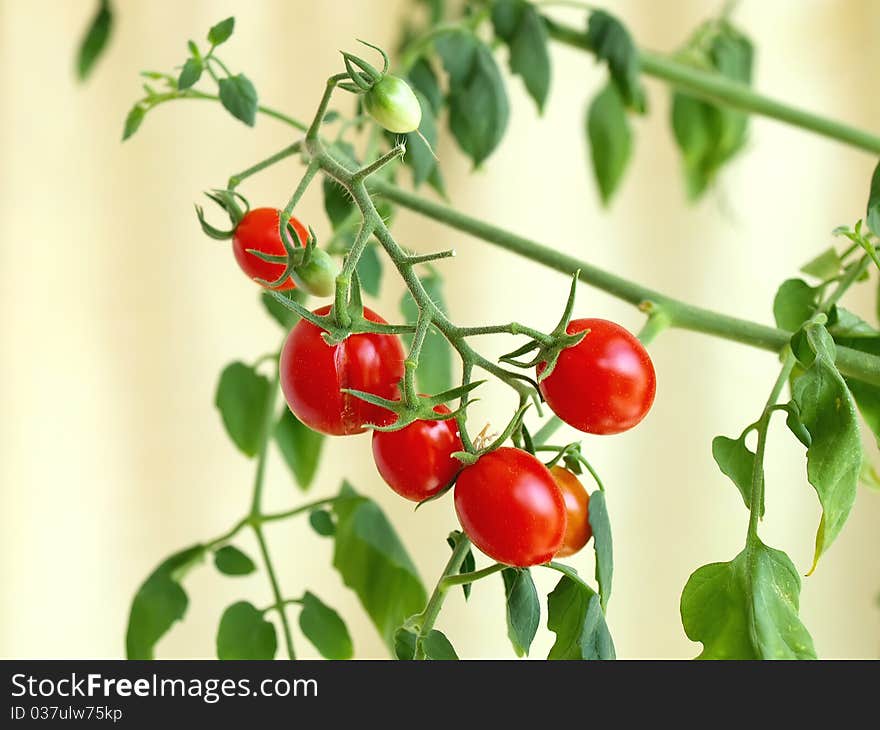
<point x="313" y="374"/>
<point x="416" y="461"/>
<point x="577" y="511"/>
<point x="258" y="230"/>
<point x="510" y="507"/>
<point x="605" y="384"/>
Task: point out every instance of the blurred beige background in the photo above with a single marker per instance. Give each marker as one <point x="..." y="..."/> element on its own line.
<point x="116" y="315"/>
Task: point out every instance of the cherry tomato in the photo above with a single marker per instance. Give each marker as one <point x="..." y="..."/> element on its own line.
<point x="313" y="374"/>
<point x="394" y="105"/>
<point x="417" y="460"/>
<point x="604" y="384"/>
<point x="577" y="510"/>
<point x="258" y="230"/>
<point x="510" y="507"/>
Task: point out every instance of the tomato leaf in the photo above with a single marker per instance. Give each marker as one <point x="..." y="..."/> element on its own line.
<point x="437" y="647"/>
<point x="574" y="614"/>
<point x="602" y="545"/>
<point x="835" y="452"/>
<point x="747" y="608"/>
<point x="478" y="106"/>
<point x="434" y="374"/>
<point x="221" y="32"/>
<point x="373" y="562"/>
<point x="322" y="626"/>
<point x="322" y="522"/>
<point x="522" y="28"/>
<point x="523" y="608"/>
<point x="872" y="217"/>
<point x="468" y="565"/>
<point x="794" y="304"/>
<point x="825" y="266"/>
<point x="229" y="560"/>
<point x="94" y="41"/>
<point x="242" y="399"/>
<point x="239" y="97"/>
<point x="611" y="42"/>
<point x="709" y="135"/>
<point x="405" y="643"/>
<point x="300" y="446"/>
<point x="369" y="269"/>
<point x="190" y="73"/>
<point x="423" y="80"/>
<point x="337" y="202"/>
<point x="281" y="314"/>
<point x="737" y="462"/>
<point x="610" y="139"/>
<point x="133" y="121"/>
<point x="159" y="603"/>
<point x="245" y="634"/>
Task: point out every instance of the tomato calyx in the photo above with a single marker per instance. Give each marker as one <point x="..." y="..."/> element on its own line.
<point x="229" y="201"/>
<point x="423" y="409"/>
<point x="548" y="349"/>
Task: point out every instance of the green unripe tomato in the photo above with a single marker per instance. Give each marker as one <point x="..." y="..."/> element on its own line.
<point x="392" y="103"/>
<point x="318" y="276"/>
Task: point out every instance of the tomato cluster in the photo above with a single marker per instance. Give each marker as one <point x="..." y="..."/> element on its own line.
<point x="512" y="507"/>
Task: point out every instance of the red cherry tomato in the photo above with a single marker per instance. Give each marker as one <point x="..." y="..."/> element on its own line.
<point x="510" y="507"/>
<point x="417" y="460"/>
<point x="577" y="510"/>
<point x="258" y="230"/>
<point x="313" y="374"/>
<point x="604" y="384"/>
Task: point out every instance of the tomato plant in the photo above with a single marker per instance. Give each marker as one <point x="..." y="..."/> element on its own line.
<point x="343" y="369"/>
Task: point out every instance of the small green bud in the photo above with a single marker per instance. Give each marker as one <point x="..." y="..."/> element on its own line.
<point x="318" y="276"/>
<point x="393" y="105"/>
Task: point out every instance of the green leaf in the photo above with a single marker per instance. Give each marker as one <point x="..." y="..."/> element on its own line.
<point x="232" y="561"/>
<point x="369" y="269"/>
<point x="574" y="614"/>
<point x="423" y="80"/>
<point x="478" y="107"/>
<point x="300" y="447"/>
<point x="737" y="462"/>
<point x="872" y="217"/>
<point x="602" y="544"/>
<point x="835" y="453"/>
<point x="158" y="603"/>
<point x="221" y="32"/>
<point x="867" y="398"/>
<point x="434" y="374"/>
<point x="869" y="476"/>
<point x="373" y="562"/>
<point x="468" y="565"/>
<point x="133" y="121"/>
<point x="242" y="399"/>
<point x="523" y="608"/>
<point x="610" y="140"/>
<point x="747" y="608"/>
<point x="322" y="522"/>
<point x="281" y="314"/>
<point x="853" y="328"/>
<point x="245" y="634"/>
<point x="337" y="202"/>
<point x="322" y="626"/>
<point x="190" y="73"/>
<point x="239" y="97"/>
<point x="708" y="135"/>
<point x="419" y="156"/>
<point x="405" y="643"/>
<point x="795" y="303"/>
<point x="611" y="42"/>
<point x="437" y="647"/>
<point x="825" y="266"/>
<point x="95" y="40"/>
<point x="522" y="28"/>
